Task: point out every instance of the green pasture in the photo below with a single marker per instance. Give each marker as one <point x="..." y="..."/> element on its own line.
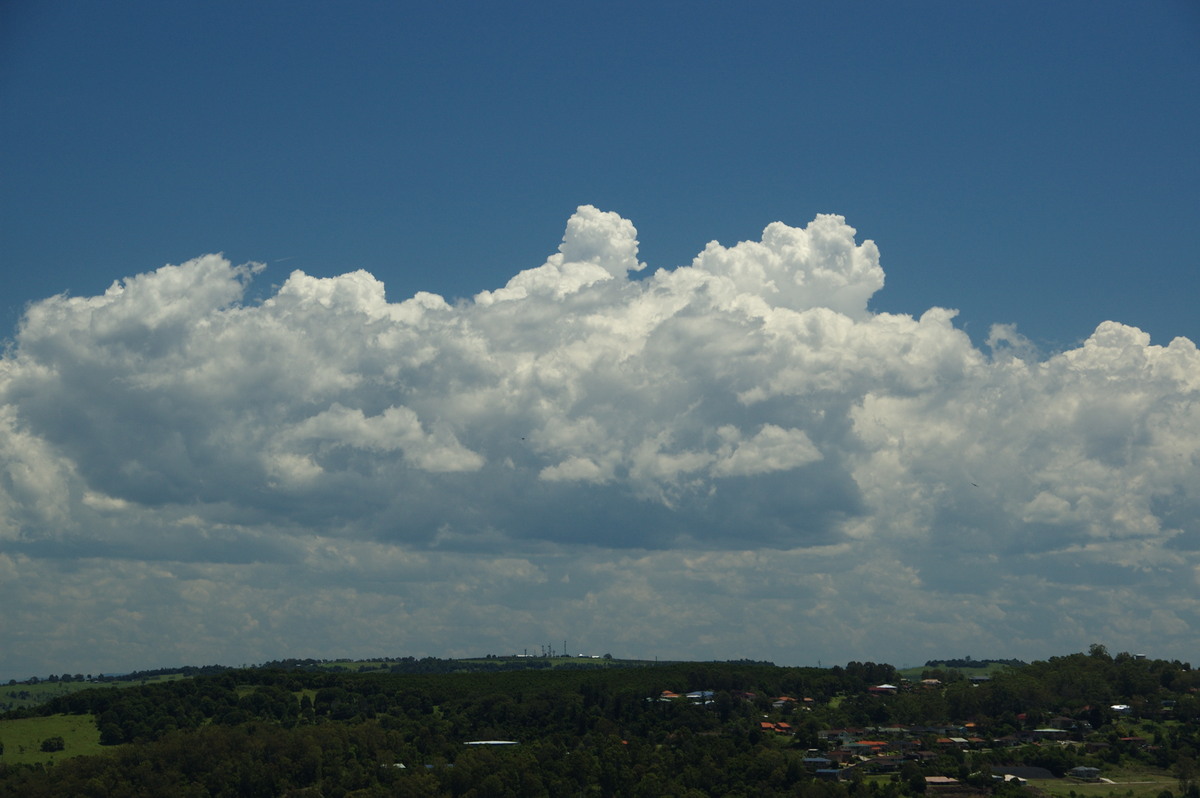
<point x="23" y="738"/>
<point x="382" y="666"/>
<point x="914" y="674"/>
<point x="1131" y="785"/>
<point x="553" y="662"/>
<point x="21" y="695"/>
<point x="355" y="665"/>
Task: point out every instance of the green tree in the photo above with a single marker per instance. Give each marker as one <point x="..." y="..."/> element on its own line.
<point x="111" y="734"/>
<point x="53" y="744"/>
<point x="913" y="777"/>
<point x="1185" y="771"/>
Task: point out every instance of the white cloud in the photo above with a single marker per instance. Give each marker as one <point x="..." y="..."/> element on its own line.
<point x="598" y="246"/>
<point x="395" y="429"/>
<point x="819" y="266"/>
<point x="772" y="449"/>
<point x="732" y="458"/>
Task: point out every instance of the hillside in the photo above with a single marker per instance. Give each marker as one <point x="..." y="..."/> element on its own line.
<point x="682" y="729"/>
<point x="36" y="691"/>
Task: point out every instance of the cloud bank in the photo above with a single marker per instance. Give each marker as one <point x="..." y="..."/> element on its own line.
<point x="732" y="458"/>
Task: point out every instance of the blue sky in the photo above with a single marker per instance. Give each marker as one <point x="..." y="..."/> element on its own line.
<point x="1026" y="163"/>
<point x="469" y="375"/>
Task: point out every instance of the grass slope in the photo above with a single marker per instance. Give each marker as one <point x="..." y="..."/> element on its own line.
<point x="914" y="674"/>
<point x="23" y="738"/>
<point x="1147" y="783"/>
<point x="21" y="695"/>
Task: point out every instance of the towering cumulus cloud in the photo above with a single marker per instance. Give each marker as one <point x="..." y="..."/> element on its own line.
<point x="732" y="458"/>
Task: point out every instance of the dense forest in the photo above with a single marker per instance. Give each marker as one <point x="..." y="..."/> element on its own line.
<point x="681" y="729"/>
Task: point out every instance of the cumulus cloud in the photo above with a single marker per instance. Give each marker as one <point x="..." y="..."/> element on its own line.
<point x="730" y="449"/>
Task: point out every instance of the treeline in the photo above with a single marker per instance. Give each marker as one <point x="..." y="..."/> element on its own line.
<point x="514" y="703"/>
<point x="418" y="665"/>
<point x="364" y="760"/>
<point x="186" y="671"/>
<point x="271" y="733"/>
<point x="967" y="662"/>
<point x="488" y="664"/>
<point x="307" y="732"/>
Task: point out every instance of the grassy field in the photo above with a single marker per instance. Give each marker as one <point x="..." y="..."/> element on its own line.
<point x="354" y="666"/>
<point x="381" y="666"/>
<point x="23" y="738"/>
<point x="18" y="696"/>
<point x="22" y="694"/>
<point x="914" y="674"/>
<point x="554" y="662"/>
<point x="1146" y="784"/>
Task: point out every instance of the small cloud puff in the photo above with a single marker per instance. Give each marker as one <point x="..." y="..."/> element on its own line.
<point x="597" y="246"/>
<point x="771" y="449"/>
<point x="819" y="266"/>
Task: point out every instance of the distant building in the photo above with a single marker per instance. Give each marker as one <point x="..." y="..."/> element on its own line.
<point x="940" y="783"/>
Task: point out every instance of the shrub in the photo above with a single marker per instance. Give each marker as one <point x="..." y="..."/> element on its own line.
<point x="53" y="744"/>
